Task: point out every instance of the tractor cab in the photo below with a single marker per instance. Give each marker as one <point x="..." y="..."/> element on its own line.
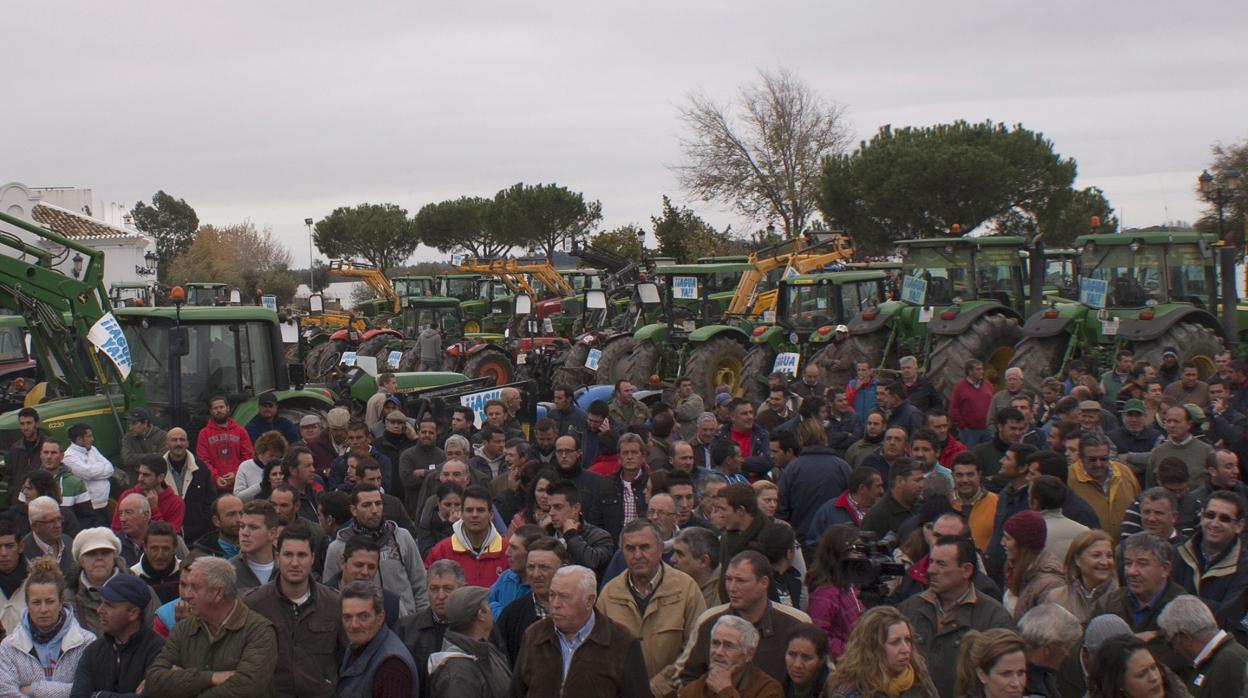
<point x="1061" y="273"/>
<point x="460" y="286"/>
<point x="809" y="302"/>
<point x="437" y="311"/>
<point x="955" y="270"/>
<point x="408" y="286"/>
<point x="204" y="294"/>
<point x="1134" y="271"/>
<point x="129" y="294"/>
<point x="700" y="293"/>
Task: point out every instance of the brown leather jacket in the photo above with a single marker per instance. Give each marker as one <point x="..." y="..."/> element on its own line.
<point x="609" y="663"/>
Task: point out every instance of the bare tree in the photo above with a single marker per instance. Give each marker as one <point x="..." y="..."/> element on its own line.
<point x="762" y="156"/>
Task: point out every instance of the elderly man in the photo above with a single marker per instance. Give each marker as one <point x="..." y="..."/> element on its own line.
<point x="468" y="663"/>
<point x="191" y="481"/>
<point x="1147" y="562"/>
<point x="732" y="672"/>
<point x="222" y="644"/>
<point x="377" y="662"/>
<point x="1050" y="633"/>
<point x="811" y="383"/>
<point x="747" y="579"/>
<point x="143" y="438"/>
<point x="46" y="538"/>
<point x="116" y="663"/>
<point x="1014" y="384"/>
<point x="401" y="570"/>
<point x="305" y="615"/>
<point x="1217" y="660"/>
<point x="1213" y="563"/>
<point x="74" y="495"/>
<point x="134" y="513"/>
<point x="703" y="439"/>
<point x="576" y="650"/>
<point x="423" y="632"/>
<point x="652" y="599"/>
<point x="951" y="607"/>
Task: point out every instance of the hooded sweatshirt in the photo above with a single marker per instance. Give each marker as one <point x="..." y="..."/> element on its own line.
<point x="223" y="447"/>
<point x="482" y="566"/>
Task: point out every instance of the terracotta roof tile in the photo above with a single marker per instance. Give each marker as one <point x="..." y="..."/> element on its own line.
<point x="76" y="226"/>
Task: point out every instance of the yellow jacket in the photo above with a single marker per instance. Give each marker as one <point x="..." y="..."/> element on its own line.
<point x="1109" y="502"/>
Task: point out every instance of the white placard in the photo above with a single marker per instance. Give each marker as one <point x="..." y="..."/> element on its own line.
<point x="786" y="363"/>
<point x="290" y="332"/>
<point x="769" y="317"/>
<point x="107" y="336"/>
<point x="269" y="302"/>
<point x="547" y="326"/>
<point x="913" y="290"/>
<point x="591" y="359"/>
<point x="1109" y="327"/>
<point x="477" y="402"/>
<point x="348" y="358"/>
<point x="685" y="287"/>
<point x="925" y="314"/>
<point x="393" y="359"/>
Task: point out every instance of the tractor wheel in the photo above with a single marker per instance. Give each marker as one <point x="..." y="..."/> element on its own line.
<point x="639" y="365"/>
<point x="836" y="361"/>
<point x="719" y="361"/>
<point x="378" y="347"/>
<point x="490" y="362"/>
<point x="573" y="372"/>
<point x="326" y="359"/>
<point x="611" y="365"/>
<point x="1040" y="358"/>
<point x="990" y="339"/>
<point x="1193" y="342"/>
<point x="472" y="325"/>
<point x="410" y="361"/>
<point x="759" y="361"/>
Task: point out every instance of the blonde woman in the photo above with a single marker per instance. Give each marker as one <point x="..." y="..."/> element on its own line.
<point x="41" y="656"/>
<point x="880" y="660"/>
<point x="768" y="496"/>
<point x="1089" y="574"/>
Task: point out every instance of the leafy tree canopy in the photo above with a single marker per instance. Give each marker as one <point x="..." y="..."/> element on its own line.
<point x="171" y="222"/>
<point x="1232" y="160"/>
<point x="622" y="241"/>
<point x="684" y="235"/>
<point x="381" y="234"/>
<point x="919" y="182"/>
<point x="543" y="216"/>
<point x="241" y="256"/>
<point x="467" y="223"/>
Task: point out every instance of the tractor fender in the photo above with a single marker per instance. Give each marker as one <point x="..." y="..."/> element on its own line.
<point x="870" y="321"/>
<point x="656" y="333"/>
<point x="1040" y="326"/>
<point x="705" y="334"/>
<point x="1137" y="330"/>
<point x="369" y="334"/>
<point x="772" y="336"/>
<point x="479" y="347"/>
<point x="966" y="317"/>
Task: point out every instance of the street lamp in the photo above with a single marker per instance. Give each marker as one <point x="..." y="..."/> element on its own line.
<point x="311" y="258"/>
<point x="77" y="260"/>
<point x="641" y="241"/>
<point x="150" y="259"/>
<point x="1219" y="190"/>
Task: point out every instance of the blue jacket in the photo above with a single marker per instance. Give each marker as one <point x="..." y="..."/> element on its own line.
<point x="816" y="476"/>
<point x="508" y="588"/>
<point x="355" y="678"/>
<point x="259" y="425"/>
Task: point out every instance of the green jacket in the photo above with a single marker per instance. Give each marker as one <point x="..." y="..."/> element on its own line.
<point x="939" y="639"/>
<point x="623" y="416"/>
<point x="888" y="514"/>
<point x="133" y="448"/>
<point x="247" y="646"/>
<point x="1222" y="670"/>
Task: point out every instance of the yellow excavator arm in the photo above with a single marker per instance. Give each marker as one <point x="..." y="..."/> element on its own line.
<point x="748" y="300"/>
<point x="370" y="275"/>
<point x="517" y="274"/>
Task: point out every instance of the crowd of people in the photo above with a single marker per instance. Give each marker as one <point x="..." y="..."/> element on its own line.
<point x="879" y="538"/>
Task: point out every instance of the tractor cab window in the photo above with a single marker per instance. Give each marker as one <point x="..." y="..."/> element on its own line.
<point x="1059" y="273"/>
<point x="944" y="270"/>
<point x="465" y="289"/>
<point x="1190" y="275"/>
<point x="1132" y="277"/>
<point x="809" y="305"/>
<point x="580" y="282"/>
<point x="999" y="275"/>
<point x="12" y="345"/>
<point x="223" y="359"/>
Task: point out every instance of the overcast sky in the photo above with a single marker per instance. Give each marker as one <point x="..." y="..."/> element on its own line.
<point x="279" y="111"/>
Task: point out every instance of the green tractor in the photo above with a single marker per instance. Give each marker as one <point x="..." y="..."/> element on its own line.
<point x="689" y="340"/>
<point x="209" y="293"/>
<point x="1137" y="291"/>
<point x="961" y="298"/>
<point x="486" y="301"/>
<point x="809" y="308"/>
<point x="598" y="354"/>
<point x="408" y="286"/>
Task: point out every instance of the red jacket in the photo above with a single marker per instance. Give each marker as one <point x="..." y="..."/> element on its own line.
<point x="951" y="450"/>
<point x="223" y="448"/>
<point x="605" y="466"/>
<point x="968" y="406"/>
<point x="169" y="508"/>
<point x="481" y="569"/>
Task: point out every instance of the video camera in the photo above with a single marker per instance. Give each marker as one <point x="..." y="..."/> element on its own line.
<point x="869" y="565"/>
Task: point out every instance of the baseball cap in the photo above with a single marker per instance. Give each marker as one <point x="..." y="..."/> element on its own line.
<point x="842" y="328"/>
<point x="1133" y="406"/>
<point x="128" y="588"/>
<point x="268" y="399"/>
<point x="139" y="415"/>
<point x="722" y="399"/>
<point x="1089" y="405"/>
<point x="310" y="420"/>
<point x="464" y="603"/>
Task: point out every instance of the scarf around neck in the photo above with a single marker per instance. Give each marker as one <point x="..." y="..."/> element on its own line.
<point x="901" y="683"/>
<point x="43" y="637"/>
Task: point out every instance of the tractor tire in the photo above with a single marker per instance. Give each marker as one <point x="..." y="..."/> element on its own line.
<point x="1040" y="358"/>
<point x="721" y="360"/>
<point x="759" y="361"/>
<point x="990" y="339"/>
<point x="611" y="365"/>
<point x="573" y="372"/>
<point x="378" y="347"/>
<point x="639" y="365"/>
<point x="321" y="364"/>
<point x="490" y="362"/>
<point x="1193" y="342"/>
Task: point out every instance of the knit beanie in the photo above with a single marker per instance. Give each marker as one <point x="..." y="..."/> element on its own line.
<point x="1027" y="529"/>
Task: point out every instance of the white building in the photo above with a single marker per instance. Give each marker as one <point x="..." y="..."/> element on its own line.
<point x="68" y="212"/>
